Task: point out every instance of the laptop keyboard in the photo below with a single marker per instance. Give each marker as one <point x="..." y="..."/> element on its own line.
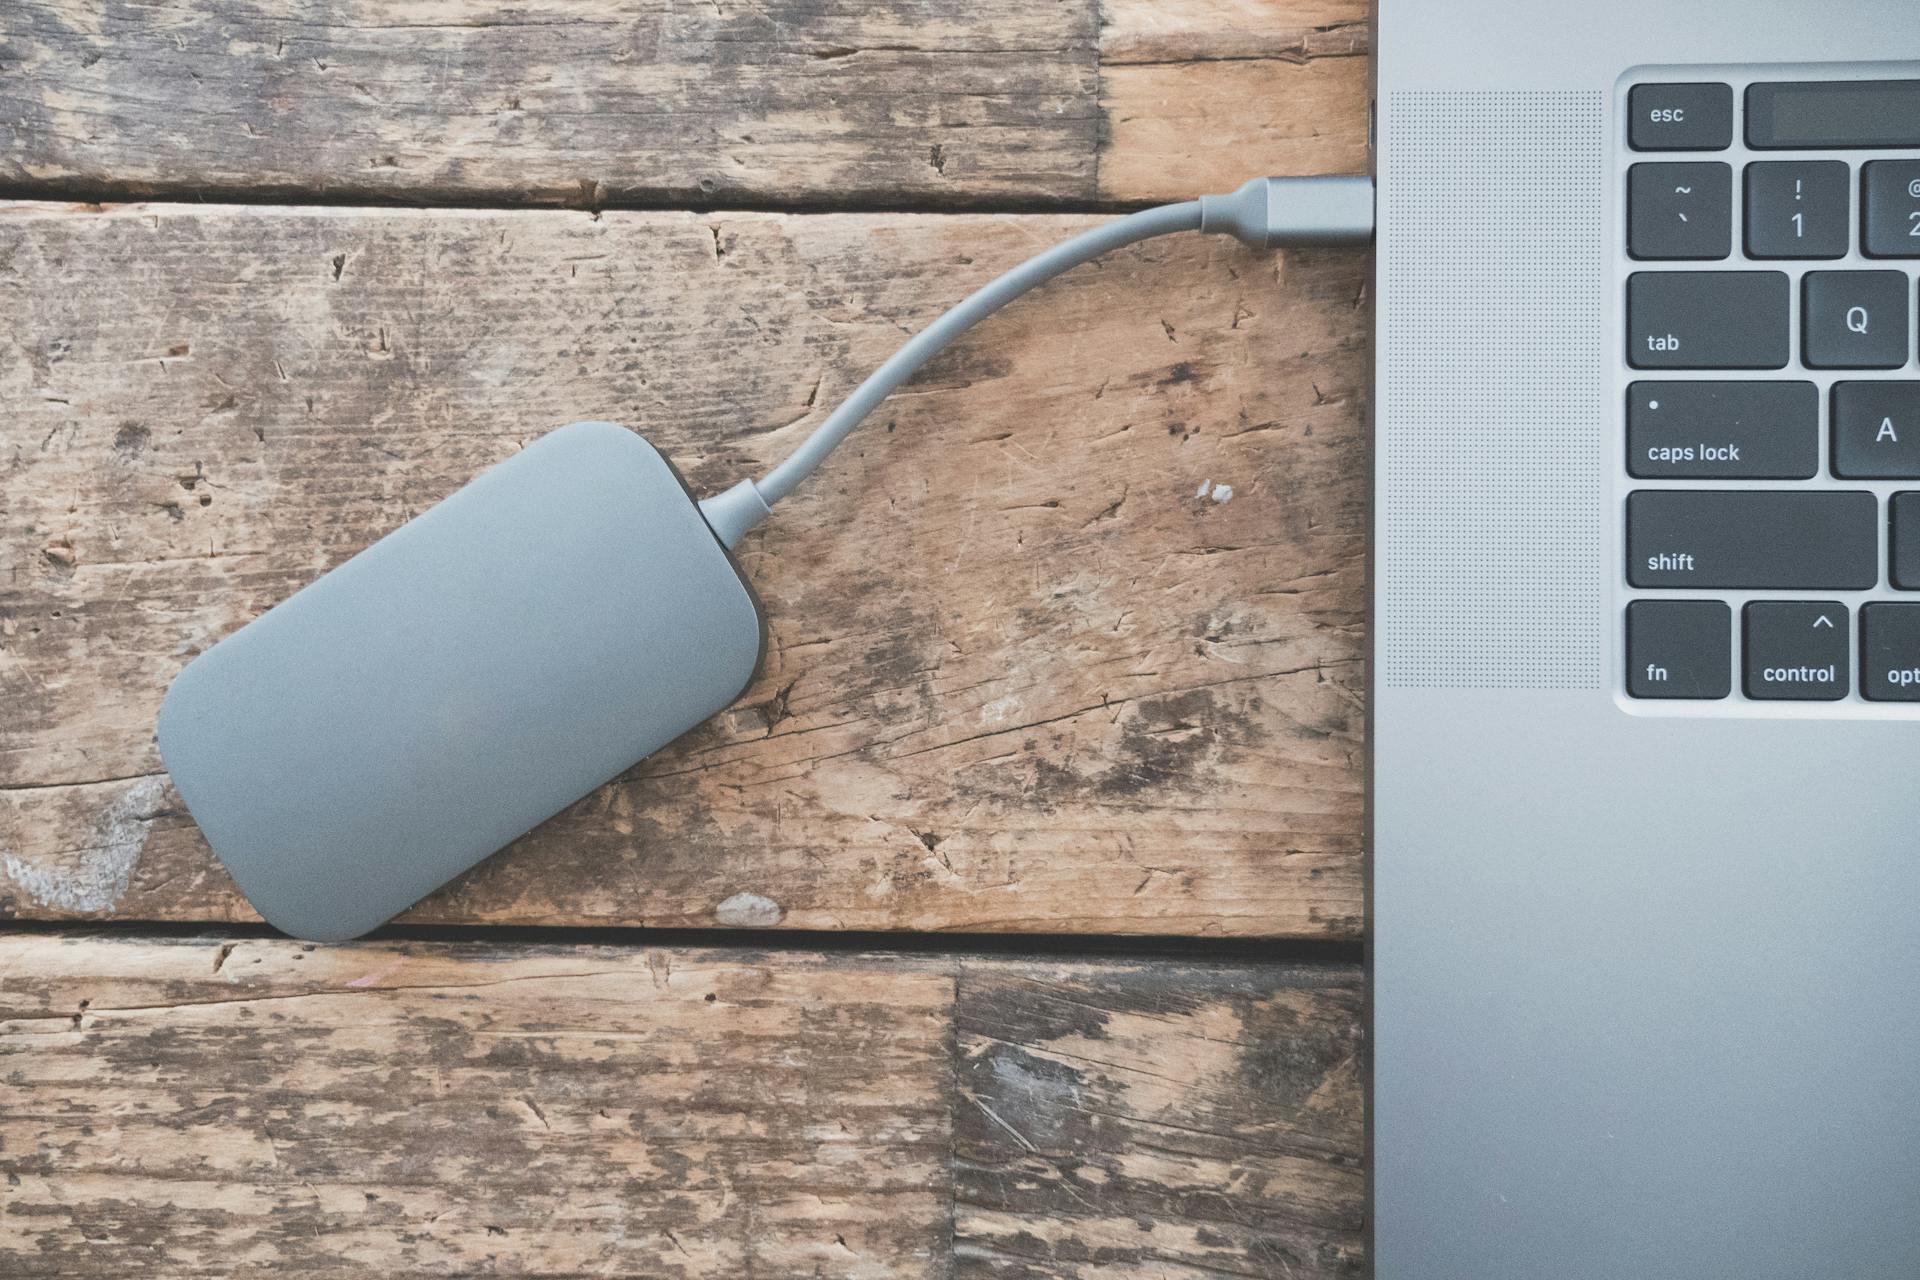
<point x="1772" y="414"/>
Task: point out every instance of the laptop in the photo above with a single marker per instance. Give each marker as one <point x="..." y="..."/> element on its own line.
<point x="1645" y="801"/>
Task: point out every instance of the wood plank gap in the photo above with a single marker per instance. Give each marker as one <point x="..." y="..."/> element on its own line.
<point x="103" y="194"/>
<point x="1338" y="957"/>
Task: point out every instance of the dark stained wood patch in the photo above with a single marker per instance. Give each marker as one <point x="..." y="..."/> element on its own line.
<point x="586" y="102"/>
<point x="190" y="1107"/>
<point x="1159" y="1119"/>
<point x="598" y="103"/>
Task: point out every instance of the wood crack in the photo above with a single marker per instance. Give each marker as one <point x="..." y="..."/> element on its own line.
<point x="88" y="782"/>
<point x="97" y="1011"/>
<point x="1110" y="703"/>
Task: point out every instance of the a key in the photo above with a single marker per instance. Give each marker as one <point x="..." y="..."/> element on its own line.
<point x="1680" y="211"/>
<point x="1679" y="649"/>
<point x="1796" y="650"/>
<point x="1890" y="195"/>
<point x="1707" y="319"/>
<point x="1798" y="209"/>
<point x="1723" y="430"/>
<point x="1890" y="652"/>
<point x="1855" y="319"/>
<point x="1778" y="540"/>
<point x="1680" y="117"/>
<point x="1876" y="430"/>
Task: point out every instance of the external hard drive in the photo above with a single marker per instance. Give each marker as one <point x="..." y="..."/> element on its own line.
<point x="460" y="681"/>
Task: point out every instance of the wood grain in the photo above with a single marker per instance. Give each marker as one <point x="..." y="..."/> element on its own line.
<point x="1158" y="1120"/>
<point x="602" y="103"/>
<point x="1200" y="95"/>
<point x="1066" y="639"/>
<point x="246" y="1107"/>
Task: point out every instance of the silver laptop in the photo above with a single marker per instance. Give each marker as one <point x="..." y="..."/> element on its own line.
<point x="1645" y="874"/>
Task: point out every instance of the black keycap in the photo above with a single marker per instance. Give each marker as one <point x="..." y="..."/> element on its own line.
<point x="1876" y="430"/>
<point x="1822" y="114"/>
<point x="1890" y="197"/>
<point x="1855" y="319"/>
<point x="1890" y="652"/>
<point x="1680" y="117"/>
<point x="1680" y="210"/>
<point x="1796" y="650"/>
<point x="1903" y="541"/>
<point x="1798" y="209"/>
<point x="1679" y="649"/>
<point x="1723" y="430"/>
<point x="1707" y="319"/>
<point x="1763" y="540"/>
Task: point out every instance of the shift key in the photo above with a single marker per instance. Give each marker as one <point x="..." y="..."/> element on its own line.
<point x="1762" y="540"/>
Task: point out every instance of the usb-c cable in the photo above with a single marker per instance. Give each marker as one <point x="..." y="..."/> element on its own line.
<point x="1266" y="213"/>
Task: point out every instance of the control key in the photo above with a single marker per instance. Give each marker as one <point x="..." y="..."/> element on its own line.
<point x="1796" y="650"/>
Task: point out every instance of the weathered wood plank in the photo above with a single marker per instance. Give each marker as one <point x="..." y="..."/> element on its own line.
<point x="1163" y="32"/>
<point x="610" y="102"/>
<point x="1090" y="1107"/>
<point x="189" y="1108"/>
<point x="1200" y="95"/>
<point x="1032" y="666"/>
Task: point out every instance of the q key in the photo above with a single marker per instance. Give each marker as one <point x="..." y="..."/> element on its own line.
<point x="1855" y="319"/>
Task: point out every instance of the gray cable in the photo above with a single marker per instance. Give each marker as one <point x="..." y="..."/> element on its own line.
<point x="982" y="303"/>
<point x="1263" y="213"/>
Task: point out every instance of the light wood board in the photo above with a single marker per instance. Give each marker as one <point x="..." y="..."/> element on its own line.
<point x="250" y="1107"/>
<point x="1066" y="639"/>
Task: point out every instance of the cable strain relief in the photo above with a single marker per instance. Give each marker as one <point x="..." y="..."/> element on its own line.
<point x="1242" y="214"/>
<point x="732" y="512"/>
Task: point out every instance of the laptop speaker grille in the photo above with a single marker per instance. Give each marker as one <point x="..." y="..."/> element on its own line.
<point x="1491" y="425"/>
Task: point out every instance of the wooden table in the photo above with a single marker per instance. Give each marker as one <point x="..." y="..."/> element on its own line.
<point x="1008" y="926"/>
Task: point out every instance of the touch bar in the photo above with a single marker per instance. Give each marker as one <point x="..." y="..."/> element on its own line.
<point x="1833" y="113"/>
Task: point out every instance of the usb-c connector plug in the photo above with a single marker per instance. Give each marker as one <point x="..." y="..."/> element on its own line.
<point x="1285" y="213"/>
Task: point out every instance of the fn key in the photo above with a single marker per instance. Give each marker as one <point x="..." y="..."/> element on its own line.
<point x="1679" y="649"/>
